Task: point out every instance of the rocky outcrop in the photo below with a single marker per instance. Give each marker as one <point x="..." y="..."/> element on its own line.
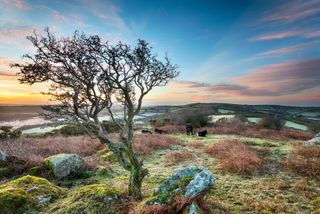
<point x="64" y="165"/>
<point x="314" y="141"/>
<point x="190" y="183"/>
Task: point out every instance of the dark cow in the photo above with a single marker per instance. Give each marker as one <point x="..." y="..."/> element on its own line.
<point x="159" y="131"/>
<point x="146" y="131"/>
<point x="189" y="129"/>
<point x="202" y="133"/>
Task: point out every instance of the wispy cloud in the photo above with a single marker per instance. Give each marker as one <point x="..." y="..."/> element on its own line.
<point x="108" y="12"/>
<point x="293" y="11"/>
<point x="290" y="49"/>
<point x="272" y="36"/>
<point x="14" y="34"/>
<point x="313" y="34"/>
<point x="286" y="34"/>
<point x="5" y="68"/>
<point x="20" y="4"/>
<point x="284" y="78"/>
<point x="296" y="18"/>
<point x="62" y="18"/>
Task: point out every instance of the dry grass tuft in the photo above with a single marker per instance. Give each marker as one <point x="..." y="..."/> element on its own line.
<point x="267" y="205"/>
<point x="178" y="156"/>
<point x="146" y="144"/>
<point x="196" y="144"/>
<point x="235" y="156"/>
<point x="178" y="206"/>
<point x="304" y="161"/>
<point x="35" y="150"/>
<point x="308" y="152"/>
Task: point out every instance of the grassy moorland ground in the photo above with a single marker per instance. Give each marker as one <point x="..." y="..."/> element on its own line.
<point x="254" y="175"/>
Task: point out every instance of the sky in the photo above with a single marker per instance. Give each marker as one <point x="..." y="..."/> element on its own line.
<point x="240" y="51"/>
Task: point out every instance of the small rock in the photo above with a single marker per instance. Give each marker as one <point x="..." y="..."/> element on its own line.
<point x="42" y="199"/>
<point x="3" y="156"/>
<point x="32" y="188"/>
<point x="194" y="209"/>
<point x="314" y="141"/>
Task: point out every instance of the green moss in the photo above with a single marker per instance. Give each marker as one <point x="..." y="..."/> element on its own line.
<point x="95" y="191"/>
<point x="35" y="170"/>
<point x="95" y="198"/>
<point x="36" y="186"/>
<point x="24" y="193"/>
<point x="102" y="170"/>
<point x="4" y="172"/>
<point x="167" y="196"/>
<point x="109" y="156"/>
<point x="316" y="204"/>
<point x="14" y="200"/>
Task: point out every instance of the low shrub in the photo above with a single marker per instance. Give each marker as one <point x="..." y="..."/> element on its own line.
<point x="77" y="129"/>
<point x="271" y="122"/>
<point x="6" y="133"/>
<point x="197" y="119"/>
<point x="70" y="130"/>
<point x="235" y="156"/>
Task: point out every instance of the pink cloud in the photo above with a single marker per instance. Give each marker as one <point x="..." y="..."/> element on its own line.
<point x="293" y="11"/>
<point x="313" y="34"/>
<point x="108" y="12"/>
<point x="289" y="49"/>
<point x="281" y="83"/>
<point x="272" y="36"/>
<point x="287" y="34"/>
<point x="15" y="35"/>
<point x="22" y="5"/>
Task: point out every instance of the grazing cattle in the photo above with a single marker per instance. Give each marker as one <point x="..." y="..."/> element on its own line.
<point x="202" y="133"/>
<point x="189" y="129"/>
<point x="146" y="131"/>
<point x="159" y="131"/>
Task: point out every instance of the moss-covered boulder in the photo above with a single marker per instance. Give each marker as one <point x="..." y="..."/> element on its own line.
<point x="188" y="183"/>
<point x="64" y="165"/>
<point x="95" y="198"/>
<point x="26" y="193"/>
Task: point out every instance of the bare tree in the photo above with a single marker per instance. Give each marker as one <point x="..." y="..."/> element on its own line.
<point x="88" y="76"/>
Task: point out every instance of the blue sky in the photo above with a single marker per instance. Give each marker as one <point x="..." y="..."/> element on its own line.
<point x="255" y="52"/>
